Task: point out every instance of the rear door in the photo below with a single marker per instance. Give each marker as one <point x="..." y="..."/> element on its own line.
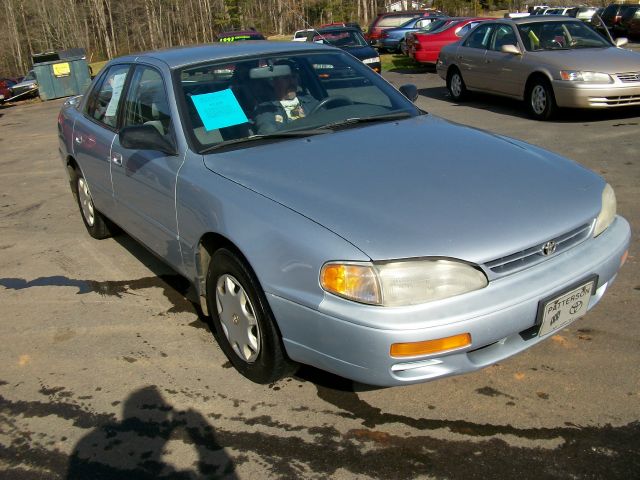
<point x="94" y="132"/>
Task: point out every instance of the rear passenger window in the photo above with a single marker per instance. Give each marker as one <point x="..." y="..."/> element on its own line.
<point x="103" y="101"/>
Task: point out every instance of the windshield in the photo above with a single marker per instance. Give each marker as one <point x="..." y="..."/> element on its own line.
<point x="560" y="36"/>
<point x="341" y="39"/>
<point x="281" y="95"/>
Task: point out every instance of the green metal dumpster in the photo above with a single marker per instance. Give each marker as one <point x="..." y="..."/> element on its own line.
<point x="62" y="78"/>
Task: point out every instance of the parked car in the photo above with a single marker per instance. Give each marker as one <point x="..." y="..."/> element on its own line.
<point x="392" y="20"/>
<point x="434" y="26"/>
<point x="632" y="25"/>
<point x="393" y="39"/>
<point x="239" y="35"/>
<point x="333" y="240"/>
<point x="302" y="35"/>
<point x="349" y="39"/>
<point x="425" y="47"/>
<point x="557" y="11"/>
<point x="25" y="88"/>
<point x="612" y="14"/>
<point x="547" y="62"/>
<point x="5" y="85"/>
<point x="582" y="13"/>
<point x="625" y="27"/>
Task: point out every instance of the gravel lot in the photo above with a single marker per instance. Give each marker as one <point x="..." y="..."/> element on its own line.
<point x="108" y="372"/>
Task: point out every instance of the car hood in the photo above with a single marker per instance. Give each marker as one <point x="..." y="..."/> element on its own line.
<point x="607" y="60"/>
<point x="421" y="187"/>
<point x="361" y="52"/>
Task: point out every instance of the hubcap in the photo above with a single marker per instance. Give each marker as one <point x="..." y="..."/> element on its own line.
<point x="539" y="99"/>
<point x="238" y="318"/>
<point x="456" y="85"/>
<point x="86" y="204"/>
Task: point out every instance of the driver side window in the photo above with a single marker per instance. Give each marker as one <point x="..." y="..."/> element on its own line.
<point x="147" y="102"/>
<point x="480" y="37"/>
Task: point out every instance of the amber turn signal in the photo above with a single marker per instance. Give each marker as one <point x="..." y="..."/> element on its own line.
<point x="429" y="347"/>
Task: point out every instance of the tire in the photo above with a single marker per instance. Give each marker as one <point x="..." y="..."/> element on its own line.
<point x="456" y="86"/>
<point x="244" y="325"/>
<point x="541" y="102"/>
<point x="96" y="224"/>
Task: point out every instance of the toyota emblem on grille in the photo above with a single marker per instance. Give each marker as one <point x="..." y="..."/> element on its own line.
<point x="549" y="248"/>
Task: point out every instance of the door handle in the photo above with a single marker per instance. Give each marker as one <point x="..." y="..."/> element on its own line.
<point x="78" y="139"/>
<point x="116" y="158"/>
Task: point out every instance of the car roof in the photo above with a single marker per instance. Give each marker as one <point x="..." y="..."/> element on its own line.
<point x="182" y="56"/>
<point x="538" y="19"/>
<point x="337" y="29"/>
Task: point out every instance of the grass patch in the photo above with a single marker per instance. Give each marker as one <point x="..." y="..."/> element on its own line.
<point x="396" y="62"/>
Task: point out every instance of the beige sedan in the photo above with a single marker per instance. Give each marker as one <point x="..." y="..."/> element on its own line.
<point x="549" y="62"/>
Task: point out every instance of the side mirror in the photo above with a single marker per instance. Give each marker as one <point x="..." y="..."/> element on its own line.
<point x="621" y="41"/>
<point x="145" y="137"/>
<point x="512" y="49"/>
<point x="410" y="91"/>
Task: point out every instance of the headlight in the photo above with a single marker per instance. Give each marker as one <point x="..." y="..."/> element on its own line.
<point x="588" y="77"/>
<point x="371" y="60"/>
<point x="400" y="283"/>
<point x="607" y="211"/>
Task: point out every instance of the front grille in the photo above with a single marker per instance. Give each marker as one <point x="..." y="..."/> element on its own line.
<point x="628" y="77"/>
<point x="532" y="256"/>
<point x="615" y="101"/>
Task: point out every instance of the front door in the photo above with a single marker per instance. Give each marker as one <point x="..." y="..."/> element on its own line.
<point x="471" y="57"/>
<point x="507" y="68"/>
<point x="144" y="181"/>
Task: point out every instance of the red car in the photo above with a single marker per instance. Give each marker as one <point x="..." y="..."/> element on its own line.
<point x="5" y="84"/>
<point x="425" y="47"/>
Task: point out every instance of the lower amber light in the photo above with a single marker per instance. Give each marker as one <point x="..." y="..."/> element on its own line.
<point x="428" y="347"/>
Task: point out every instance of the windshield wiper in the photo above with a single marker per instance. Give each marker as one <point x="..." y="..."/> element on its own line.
<point x="377" y="118"/>
<point x="266" y="136"/>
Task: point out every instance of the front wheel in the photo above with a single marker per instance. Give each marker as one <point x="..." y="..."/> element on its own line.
<point x="245" y="327"/>
<point x="540" y="100"/>
<point x="456" y="86"/>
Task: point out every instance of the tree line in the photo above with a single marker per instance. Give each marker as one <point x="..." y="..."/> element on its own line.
<point x="108" y="28"/>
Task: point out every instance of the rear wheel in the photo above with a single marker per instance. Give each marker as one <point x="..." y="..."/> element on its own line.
<point x="540" y="100"/>
<point x="456" y="86"/>
<point x="97" y="225"/>
<point x="245" y="327"/>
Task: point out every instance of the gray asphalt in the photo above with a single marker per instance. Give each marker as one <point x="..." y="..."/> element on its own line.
<point x="107" y="371"/>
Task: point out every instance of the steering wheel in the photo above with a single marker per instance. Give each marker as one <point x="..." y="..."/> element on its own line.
<point x="338" y="100"/>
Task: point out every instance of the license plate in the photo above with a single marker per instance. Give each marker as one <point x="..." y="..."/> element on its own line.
<point x="565" y="308"/>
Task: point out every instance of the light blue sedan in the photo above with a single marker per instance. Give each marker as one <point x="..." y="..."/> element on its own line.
<point x="284" y="180"/>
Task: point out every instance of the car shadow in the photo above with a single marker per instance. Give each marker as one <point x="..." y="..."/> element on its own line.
<point x="517" y="108"/>
<point x="135" y="446"/>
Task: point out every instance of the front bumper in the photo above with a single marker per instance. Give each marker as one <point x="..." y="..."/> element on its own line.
<point x="577" y="95"/>
<point x="353" y="340"/>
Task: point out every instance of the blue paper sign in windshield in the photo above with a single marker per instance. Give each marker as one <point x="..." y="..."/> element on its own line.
<point x="219" y="109"/>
